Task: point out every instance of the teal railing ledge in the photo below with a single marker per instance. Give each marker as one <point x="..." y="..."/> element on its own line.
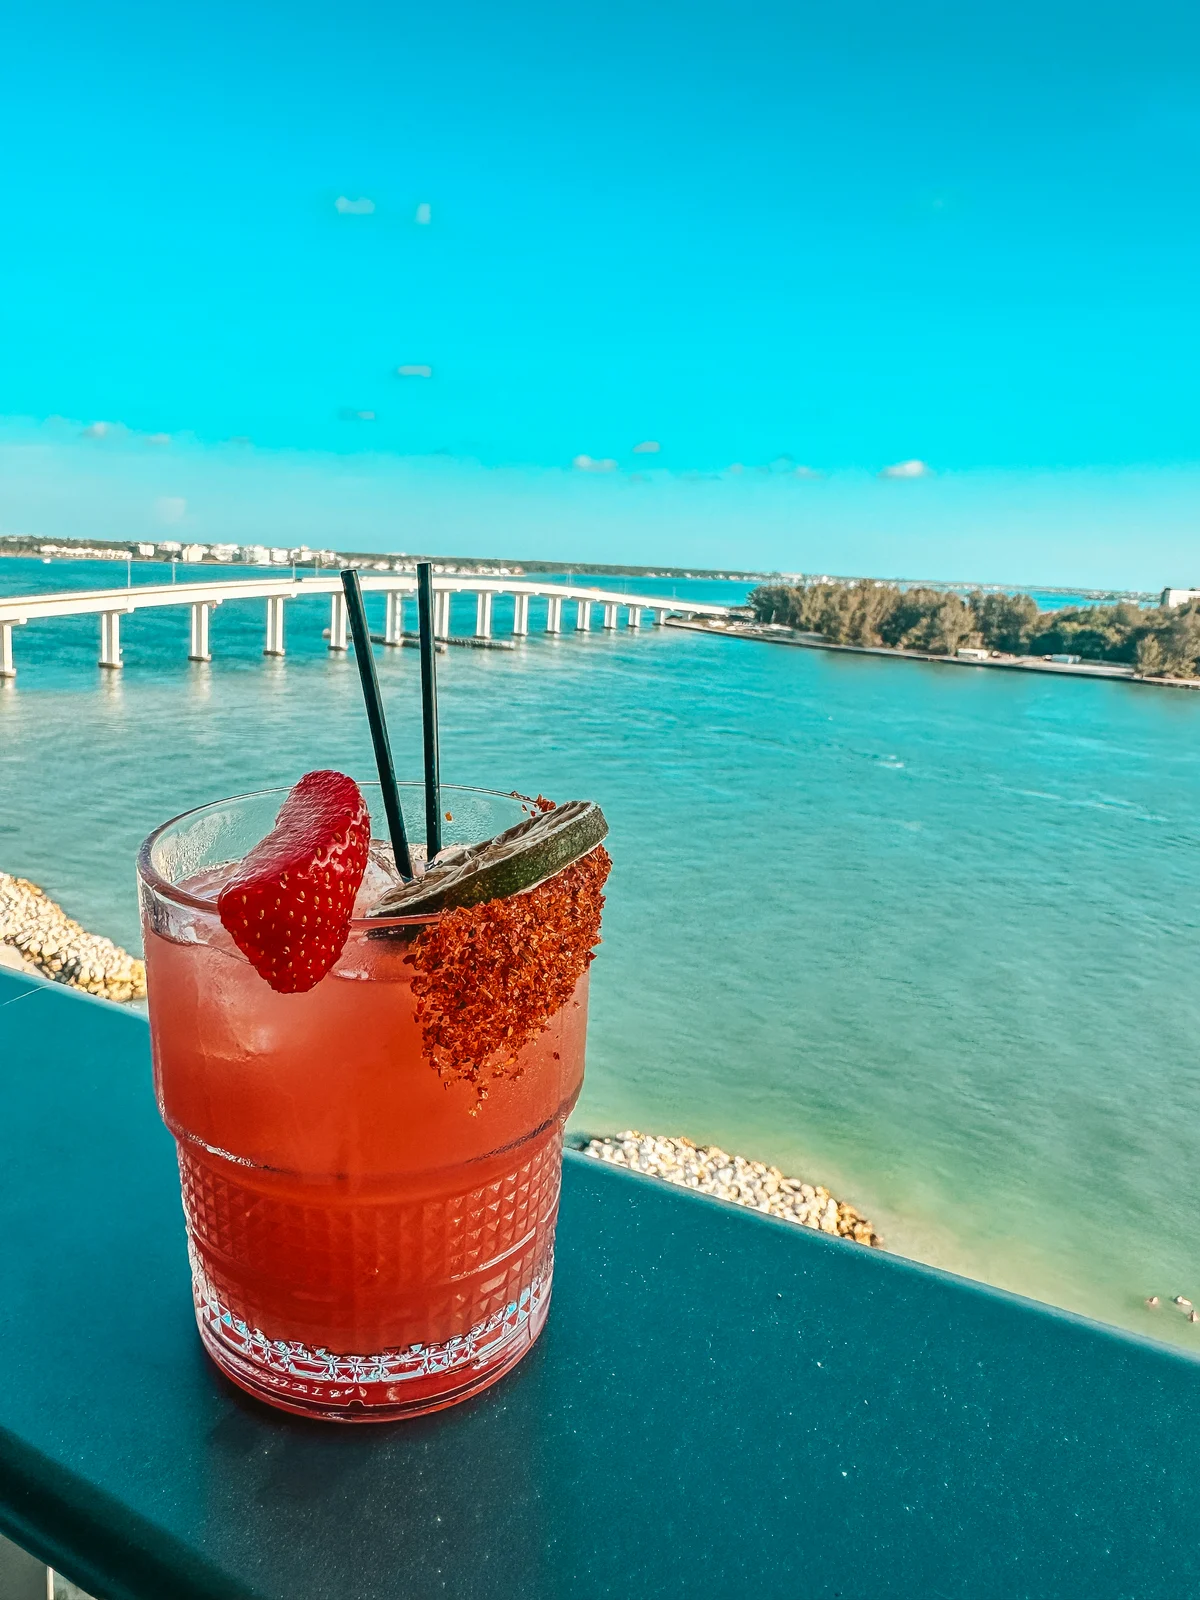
<point x="721" y="1404"/>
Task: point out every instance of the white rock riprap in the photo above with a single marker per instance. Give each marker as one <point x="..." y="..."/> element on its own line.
<point x="60" y="949"/>
<point x="710" y="1170"/>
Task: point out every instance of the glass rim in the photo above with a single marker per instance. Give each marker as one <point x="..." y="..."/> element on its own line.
<point x="149" y="875"/>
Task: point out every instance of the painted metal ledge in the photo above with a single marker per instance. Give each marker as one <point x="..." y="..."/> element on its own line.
<point x="720" y="1404"/>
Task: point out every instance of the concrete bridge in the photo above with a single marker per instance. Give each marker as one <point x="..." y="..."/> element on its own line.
<point x="110" y="605"/>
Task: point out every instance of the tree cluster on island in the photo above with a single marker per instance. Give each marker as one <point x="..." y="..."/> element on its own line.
<point x="1156" y="642"/>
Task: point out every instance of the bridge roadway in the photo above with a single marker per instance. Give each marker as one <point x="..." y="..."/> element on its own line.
<point x="110" y="605"/>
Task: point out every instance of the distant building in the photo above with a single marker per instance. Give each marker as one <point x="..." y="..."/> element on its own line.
<point x="223" y="552"/>
<point x="256" y="555"/>
<point x="1178" y="597"/>
<point x="194" y="552"/>
<point x="145" y="549"/>
<point x="280" y="558"/>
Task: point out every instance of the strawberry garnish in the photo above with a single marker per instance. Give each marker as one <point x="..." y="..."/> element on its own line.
<point x="287" y="906"/>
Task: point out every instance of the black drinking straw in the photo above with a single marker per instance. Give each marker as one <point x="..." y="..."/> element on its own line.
<point x="433" y="805"/>
<point x="379" y="734"/>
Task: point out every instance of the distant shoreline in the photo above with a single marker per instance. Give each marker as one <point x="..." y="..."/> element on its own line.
<point x="777" y="634"/>
<point x="490" y="566"/>
<point x="171" y="552"/>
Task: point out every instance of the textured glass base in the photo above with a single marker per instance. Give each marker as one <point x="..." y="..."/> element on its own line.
<point x="370" y="1388"/>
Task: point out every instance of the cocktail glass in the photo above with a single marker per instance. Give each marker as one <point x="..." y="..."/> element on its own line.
<point x="367" y="1241"/>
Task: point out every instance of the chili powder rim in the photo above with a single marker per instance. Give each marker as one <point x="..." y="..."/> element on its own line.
<point x="446" y="1030"/>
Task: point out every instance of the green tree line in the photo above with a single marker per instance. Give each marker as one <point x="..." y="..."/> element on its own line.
<point x="1158" y="643"/>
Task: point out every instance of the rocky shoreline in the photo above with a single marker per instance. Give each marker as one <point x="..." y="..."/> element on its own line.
<point x="52" y="944"/>
<point x="710" y="1170"/>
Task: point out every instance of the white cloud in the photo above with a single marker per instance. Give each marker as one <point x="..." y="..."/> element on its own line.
<point x="348" y="414"/>
<point x="648" y="447"/>
<point x="169" y="509"/>
<point x="158" y="438"/>
<point x="424" y="213"/>
<point x="806" y="472"/>
<point x="907" y="469"/>
<point x="589" y="464"/>
<point x="354" y="208"/>
<point x="416" y="371"/>
<point x="97" y="430"/>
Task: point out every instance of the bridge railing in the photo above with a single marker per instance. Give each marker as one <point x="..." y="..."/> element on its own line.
<point x="110" y="605"/>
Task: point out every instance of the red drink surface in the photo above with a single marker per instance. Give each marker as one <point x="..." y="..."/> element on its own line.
<point x="339" y="1195"/>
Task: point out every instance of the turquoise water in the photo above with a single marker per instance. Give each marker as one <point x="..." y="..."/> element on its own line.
<point x="927" y="934"/>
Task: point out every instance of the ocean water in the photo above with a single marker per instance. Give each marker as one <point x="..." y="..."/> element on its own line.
<point x="925" y="934"/>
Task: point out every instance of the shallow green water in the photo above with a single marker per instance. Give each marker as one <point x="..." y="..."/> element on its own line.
<point x="925" y="933"/>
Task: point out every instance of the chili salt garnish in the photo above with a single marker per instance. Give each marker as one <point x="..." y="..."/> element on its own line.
<point x="489" y="978"/>
<point x="541" y="802"/>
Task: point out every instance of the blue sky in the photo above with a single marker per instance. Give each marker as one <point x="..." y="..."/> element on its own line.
<point x="750" y="234"/>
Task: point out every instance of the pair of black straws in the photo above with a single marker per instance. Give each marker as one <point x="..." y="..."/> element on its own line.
<point x="357" y="614"/>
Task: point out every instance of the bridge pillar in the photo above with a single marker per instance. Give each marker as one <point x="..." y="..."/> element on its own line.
<point x="7" y="670"/>
<point x="610" y="615"/>
<point x="337" y="622"/>
<point x="635" y="616"/>
<point x="554" y="613"/>
<point x="441" y="613"/>
<point x="660" y="616"/>
<point x="110" y="640"/>
<point x="483" y="614"/>
<point x="198" y="642"/>
<point x="520" y="613"/>
<point x="274" y="644"/>
<point x="583" y="615"/>
<point x="393" y="628"/>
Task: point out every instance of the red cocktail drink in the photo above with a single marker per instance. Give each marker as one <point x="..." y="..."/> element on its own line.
<point x="371" y="1237"/>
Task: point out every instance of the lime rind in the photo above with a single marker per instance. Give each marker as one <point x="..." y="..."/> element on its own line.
<point x="511" y="863"/>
